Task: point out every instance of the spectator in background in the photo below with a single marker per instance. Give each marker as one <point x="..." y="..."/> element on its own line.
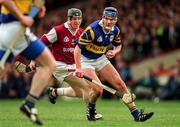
<point x="169" y="91"/>
<point x="124" y="70"/>
<point x="19" y="84"/>
<point x="128" y="52"/>
<point x="177" y="20"/>
<point x="177" y="79"/>
<point x="161" y="70"/>
<point x="4" y="87"/>
<point x="155" y="49"/>
<point x="147" y="86"/>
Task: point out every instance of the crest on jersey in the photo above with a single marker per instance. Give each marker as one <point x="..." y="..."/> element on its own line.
<point x="99" y="39"/>
<point x="111" y="38"/>
<point x="66" y="39"/>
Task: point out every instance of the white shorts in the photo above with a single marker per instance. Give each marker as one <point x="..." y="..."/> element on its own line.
<point x="96" y="64"/>
<point x="8" y="32"/>
<point x="61" y="74"/>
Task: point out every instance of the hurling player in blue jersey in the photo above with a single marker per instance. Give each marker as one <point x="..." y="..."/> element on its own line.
<point x="91" y="57"/>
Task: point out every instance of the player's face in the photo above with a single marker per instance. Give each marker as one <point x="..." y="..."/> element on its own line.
<point x="75" y="22"/>
<point x="109" y="22"/>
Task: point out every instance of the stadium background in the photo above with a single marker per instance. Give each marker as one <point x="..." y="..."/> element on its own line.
<point x="149" y="62"/>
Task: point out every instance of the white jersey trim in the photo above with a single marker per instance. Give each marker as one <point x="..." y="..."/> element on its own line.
<point x="51" y="35"/>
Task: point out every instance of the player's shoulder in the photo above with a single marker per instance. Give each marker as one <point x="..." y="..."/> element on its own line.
<point x="116" y="29"/>
<point x="59" y="27"/>
<point x="94" y="24"/>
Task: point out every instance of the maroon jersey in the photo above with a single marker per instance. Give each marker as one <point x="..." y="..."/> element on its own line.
<point x="62" y="41"/>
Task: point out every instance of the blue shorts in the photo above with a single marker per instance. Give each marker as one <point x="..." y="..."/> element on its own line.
<point x="33" y="50"/>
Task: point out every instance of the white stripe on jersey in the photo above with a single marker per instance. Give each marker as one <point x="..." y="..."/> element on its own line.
<point x="51" y="36"/>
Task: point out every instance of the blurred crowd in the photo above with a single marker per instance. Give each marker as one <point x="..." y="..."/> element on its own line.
<point x="15" y="84"/>
<point x="160" y="83"/>
<point x="149" y="29"/>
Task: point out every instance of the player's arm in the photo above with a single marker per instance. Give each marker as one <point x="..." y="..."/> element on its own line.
<point x="11" y="6"/>
<point x="77" y="57"/>
<point x="117" y="46"/>
<point x="86" y="37"/>
<point x="117" y="49"/>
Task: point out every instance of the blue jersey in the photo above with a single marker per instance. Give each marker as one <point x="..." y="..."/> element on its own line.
<point x="94" y="42"/>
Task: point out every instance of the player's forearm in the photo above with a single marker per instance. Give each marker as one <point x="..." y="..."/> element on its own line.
<point x="77" y="56"/>
<point x="117" y="49"/>
<point x="10" y="5"/>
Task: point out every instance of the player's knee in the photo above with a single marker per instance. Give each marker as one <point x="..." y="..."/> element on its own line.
<point x="49" y="68"/>
<point x="119" y="84"/>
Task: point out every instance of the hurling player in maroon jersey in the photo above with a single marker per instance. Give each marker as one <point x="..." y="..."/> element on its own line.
<point x="62" y="38"/>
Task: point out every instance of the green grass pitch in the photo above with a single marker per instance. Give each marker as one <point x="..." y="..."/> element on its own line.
<point x="72" y="114"/>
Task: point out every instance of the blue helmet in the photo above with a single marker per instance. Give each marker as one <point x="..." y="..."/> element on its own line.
<point x="110" y="12"/>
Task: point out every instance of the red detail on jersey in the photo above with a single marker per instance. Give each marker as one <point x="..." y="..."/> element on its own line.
<point x="22" y="59"/>
<point x="63" y="48"/>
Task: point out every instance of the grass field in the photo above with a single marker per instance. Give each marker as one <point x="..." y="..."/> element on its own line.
<point x="72" y="114"/>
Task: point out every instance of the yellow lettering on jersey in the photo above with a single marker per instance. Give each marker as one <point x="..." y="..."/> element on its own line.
<point x="96" y="49"/>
